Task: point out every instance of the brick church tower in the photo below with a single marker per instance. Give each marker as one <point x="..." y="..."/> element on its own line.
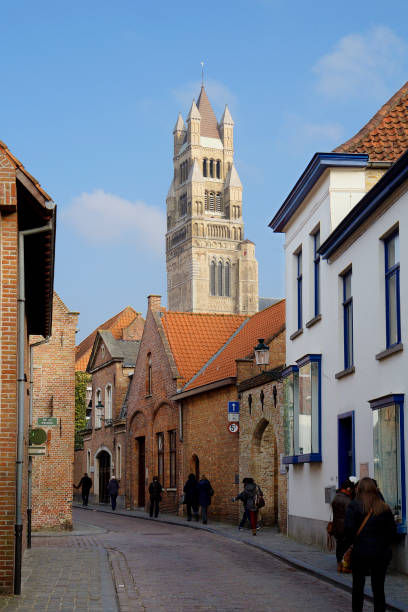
<point x="210" y="267"/>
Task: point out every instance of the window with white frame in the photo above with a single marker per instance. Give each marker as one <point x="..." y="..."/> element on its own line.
<point x="98" y="409"/>
<point x="316" y="272"/>
<point x="299" y="290"/>
<point x="302" y="410"/>
<point x="160" y="457"/>
<point x="118" y="461"/>
<point x="392" y="290"/>
<point x="88" y="461"/>
<point x="388" y="453"/>
<point x="108" y="403"/>
<point x="348" y="320"/>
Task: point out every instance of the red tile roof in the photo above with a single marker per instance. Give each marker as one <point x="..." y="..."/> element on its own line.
<point x="208" y="124"/>
<point x="115" y="325"/>
<point x="195" y="337"/>
<point x="264" y="324"/>
<point x="385" y="136"/>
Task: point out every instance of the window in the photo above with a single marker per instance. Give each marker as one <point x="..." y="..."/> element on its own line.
<point x="212" y="278"/>
<point x="348" y="321"/>
<point x="302" y="410"/>
<point x="173" y="457"/>
<point x="149" y="374"/>
<point x="392" y="290"/>
<point x="212" y="201"/>
<point x="220" y="279"/>
<point x="108" y="403"/>
<point x="388" y="453"/>
<point x="218" y="169"/>
<point x="118" y="461"/>
<point x="316" y="266"/>
<point x="299" y="288"/>
<point x="218" y="202"/>
<point x="227" y="275"/>
<point x="160" y="457"/>
<point x="211" y="168"/>
<point x="88" y="461"/>
<point x="98" y="411"/>
<point x="204" y="167"/>
<point x="183" y="205"/>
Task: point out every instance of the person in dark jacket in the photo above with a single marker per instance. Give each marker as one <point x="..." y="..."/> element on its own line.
<point x="248" y="497"/>
<point x="339" y="506"/>
<point x="372" y="547"/>
<point x="205" y="493"/>
<point x="155" y="490"/>
<point x="113" y="490"/>
<point x="85" y="484"/>
<point x="245" y="517"/>
<point x="191" y="496"/>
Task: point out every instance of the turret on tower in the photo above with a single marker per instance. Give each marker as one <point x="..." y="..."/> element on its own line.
<point x="210" y="267"/>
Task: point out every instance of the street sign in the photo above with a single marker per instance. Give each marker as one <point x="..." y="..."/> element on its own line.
<point x="47" y="421"/>
<point x="36" y="450"/>
<point x="233" y="407"/>
<point x="233" y="417"/>
<point x="233" y="428"/>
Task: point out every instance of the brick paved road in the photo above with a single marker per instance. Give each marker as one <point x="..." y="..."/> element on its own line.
<point x="161" y="567"/>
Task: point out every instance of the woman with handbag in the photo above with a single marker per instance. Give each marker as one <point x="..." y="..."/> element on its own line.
<point x="339" y="506"/>
<point x="369" y="527"/>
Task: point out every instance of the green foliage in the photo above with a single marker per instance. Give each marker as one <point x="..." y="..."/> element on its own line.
<point x="82" y="379"/>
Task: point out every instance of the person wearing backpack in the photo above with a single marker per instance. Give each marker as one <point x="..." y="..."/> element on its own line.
<point x="369" y="527"/>
<point x="205" y="493"/>
<point x="252" y="498"/>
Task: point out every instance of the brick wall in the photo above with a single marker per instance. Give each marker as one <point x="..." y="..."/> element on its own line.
<point x="54" y="395"/>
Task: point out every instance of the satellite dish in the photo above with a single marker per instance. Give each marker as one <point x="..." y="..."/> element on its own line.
<point x="37" y="436"/>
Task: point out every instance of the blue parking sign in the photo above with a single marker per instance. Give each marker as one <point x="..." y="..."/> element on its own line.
<point x="233" y="407"/>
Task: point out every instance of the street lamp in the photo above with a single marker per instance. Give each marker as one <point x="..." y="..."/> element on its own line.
<point x="261" y="353"/>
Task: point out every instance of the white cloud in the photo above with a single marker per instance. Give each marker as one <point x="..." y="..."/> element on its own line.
<point x="324" y="132"/>
<point x="300" y="135"/>
<point x="218" y="93"/>
<point x="104" y="217"/>
<point x="362" y="64"/>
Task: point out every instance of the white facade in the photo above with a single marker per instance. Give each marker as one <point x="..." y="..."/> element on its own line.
<point x="373" y="371"/>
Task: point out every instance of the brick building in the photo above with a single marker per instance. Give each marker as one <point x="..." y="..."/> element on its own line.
<point x="174" y="346"/>
<point x="111" y="362"/>
<point x="208" y="446"/>
<point x="53" y="398"/>
<point x="27" y="234"/>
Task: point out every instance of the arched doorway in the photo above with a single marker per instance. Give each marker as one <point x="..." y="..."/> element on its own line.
<point x="195" y="466"/>
<point x="104" y="465"/>
<point x="264" y="468"/>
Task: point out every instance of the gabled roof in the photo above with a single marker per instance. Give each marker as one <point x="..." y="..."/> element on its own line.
<point x="385" y="136"/>
<point x="116" y="324"/>
<point x="194" y="337"/>
<point x="209" y="124"/>
<point x="265" y="324"/>
<point x="119" y="350"/>
<point x="18" y="165"/>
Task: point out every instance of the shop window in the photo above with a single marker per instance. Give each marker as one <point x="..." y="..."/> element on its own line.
<point x="388" y="453"/>
<point x="392" y="290"/>
<point x="160" y="457"/>
<point x="173" y="457"/>
<point x="302" y="411"/>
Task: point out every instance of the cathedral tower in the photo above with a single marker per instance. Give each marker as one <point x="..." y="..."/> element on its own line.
<point x="210" y="267"/>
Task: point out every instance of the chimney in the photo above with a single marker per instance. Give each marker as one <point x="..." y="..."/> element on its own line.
<point x="153" y="302"/>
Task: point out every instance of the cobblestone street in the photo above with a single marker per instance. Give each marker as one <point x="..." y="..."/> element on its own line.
<point x="161" y="567"/>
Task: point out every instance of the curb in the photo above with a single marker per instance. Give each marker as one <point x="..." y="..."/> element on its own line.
<point x="288" y="559"/>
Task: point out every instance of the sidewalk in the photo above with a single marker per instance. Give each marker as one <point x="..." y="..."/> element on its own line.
<point x="302" y="556"/>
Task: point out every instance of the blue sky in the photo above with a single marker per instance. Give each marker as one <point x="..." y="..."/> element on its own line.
<point x="90" y="93"/>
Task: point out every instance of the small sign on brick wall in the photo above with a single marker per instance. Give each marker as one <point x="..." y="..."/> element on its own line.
<point x="47" y="421"/>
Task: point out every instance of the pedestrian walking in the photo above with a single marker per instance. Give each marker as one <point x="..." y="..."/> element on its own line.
<point x="85" y="484"/>
<point x="205" y="493"/>
<point x="339" y="506"/>
<point x="191" y="496"/>
<point x="372" y="545"/>
<point x="245" y="516"/>
<point x="155" y="490"/>
<point x="250" y="497"/>
<point x="113" y="490"/>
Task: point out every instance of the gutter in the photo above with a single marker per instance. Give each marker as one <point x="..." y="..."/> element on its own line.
<point x="18" y="527"/>
<point x="209" y="387"/>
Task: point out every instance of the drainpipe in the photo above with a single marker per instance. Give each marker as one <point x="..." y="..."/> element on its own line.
<point x="181" y="433"/>
<point x="30" y="424"/>
<point x="18" y="527"/>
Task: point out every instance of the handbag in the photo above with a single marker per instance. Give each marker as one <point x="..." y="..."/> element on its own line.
<point x="183" y="499"/>
<point x="330" y="535"/>
<point x="259" y="500"/>
<point x="346" y="562"/>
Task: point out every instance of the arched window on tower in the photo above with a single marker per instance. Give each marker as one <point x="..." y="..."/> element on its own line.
<point x="227" y="275"/>
<point x="218" y="169"/>
<point x="220" y="279"/>
<point x="206" y="200"/>
<point x="212" y="278"/>
<point x="218" y="202"/>
<point x="205" y="166"/>
<point x="212" y="168"/>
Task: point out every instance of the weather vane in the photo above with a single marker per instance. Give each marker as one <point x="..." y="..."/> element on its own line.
<point x="202" y="74"/>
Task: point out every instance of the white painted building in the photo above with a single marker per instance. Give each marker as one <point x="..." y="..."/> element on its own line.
<point x="346" y="384"/>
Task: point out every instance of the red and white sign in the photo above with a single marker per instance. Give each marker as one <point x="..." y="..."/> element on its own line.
<point x="233" y="427"/>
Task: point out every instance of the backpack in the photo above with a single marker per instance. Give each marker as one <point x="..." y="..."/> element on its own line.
<point x="259" y="499"/>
